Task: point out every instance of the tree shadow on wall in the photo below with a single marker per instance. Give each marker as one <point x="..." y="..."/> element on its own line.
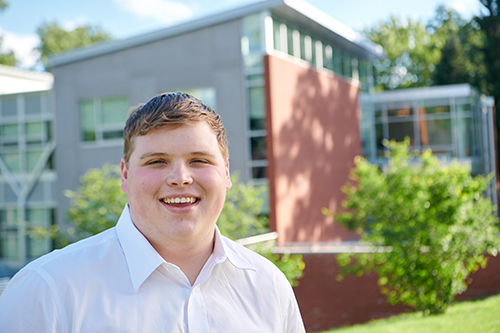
<point x="317" y="143"/>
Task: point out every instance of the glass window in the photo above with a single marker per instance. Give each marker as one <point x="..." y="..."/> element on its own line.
<point x="114" y="111"/>
<point x="10" y="245"/>
<point x="328" y="57"/>
<point x="258" y="146"/>
<point x="32" y="105"/>
<point x="11" y="160"/>
<point x="290" y="41"/>
<point x="103" y="119"/>
<point x="38" y="217"/>
<point x="398" y="131"/>
<point x="9" y="130"/>
<point x="38" y="244"/>
<point x="438" y="132"/>
<point x="256" y="107"/>
<point x="251" y="41"/>
<point x="307" y="49"/>
<point x="464" y="137"/>
<point x="205" y="94"/>
<point x="259" y="172"/>
<point x="87" y="120"/>
<point x="337" y="61"/>
<point x="9" y="106"/>
<point x="347" y="66"/>
<point x="9" y="242"/>
<point x="462" y="109"/>
<point x="276" y="35"/>
<point x="379" y="137"/>
<point x="32" y="158"/>
<point x="34" y="128"/>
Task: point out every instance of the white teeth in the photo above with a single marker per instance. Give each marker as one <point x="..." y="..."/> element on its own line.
<point x="179" y="200"/>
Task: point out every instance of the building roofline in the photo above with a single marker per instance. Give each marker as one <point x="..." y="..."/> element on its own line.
<point x="304" y="8"/>
<point x="25" y="74"/>
<point x="452" y="90"/>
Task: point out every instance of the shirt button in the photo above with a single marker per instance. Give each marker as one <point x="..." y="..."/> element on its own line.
<point x="192" y="292"/>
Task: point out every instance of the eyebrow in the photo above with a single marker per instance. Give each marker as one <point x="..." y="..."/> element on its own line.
<point x="166" y="155"/>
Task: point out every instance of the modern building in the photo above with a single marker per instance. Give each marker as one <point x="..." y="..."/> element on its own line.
<point x="236" y="61"/>
<point x="27" y="174"/>
<point x="454" y="121"/>
<point x="289" y="82"/>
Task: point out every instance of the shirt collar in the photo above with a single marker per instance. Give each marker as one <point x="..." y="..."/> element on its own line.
<point x="142" y="259"/>
<point x="223" y="249"/>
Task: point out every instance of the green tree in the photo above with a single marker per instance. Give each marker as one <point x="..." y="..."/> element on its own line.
<point x="54" y="39"/>
<point x="98" y="203"/>
<point x="490" y="26"/>
<point x="414" y="51"/>
<point x="428" y="223"/>
<point x="452" y="67"/>
<point x="7" y="58"/>
<point x="3" y="5"/>
<point x="411" y="54"/>
<point x="461" y="57"/>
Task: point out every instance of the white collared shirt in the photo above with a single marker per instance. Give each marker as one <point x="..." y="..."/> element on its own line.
<point x="117" y="282"/>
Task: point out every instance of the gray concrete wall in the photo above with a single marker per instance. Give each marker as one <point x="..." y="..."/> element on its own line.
<point x="207" y="57"/>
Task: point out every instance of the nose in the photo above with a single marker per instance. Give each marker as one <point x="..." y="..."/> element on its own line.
<point x="179" y="175"/>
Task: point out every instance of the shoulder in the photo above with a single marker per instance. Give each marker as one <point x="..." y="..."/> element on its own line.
<point x="263" y="267"/>
<point x="76" y="256"/>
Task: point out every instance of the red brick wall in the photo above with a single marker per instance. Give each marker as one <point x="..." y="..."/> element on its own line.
<point x="327" y="303"/>
<point x="312" y="138"/>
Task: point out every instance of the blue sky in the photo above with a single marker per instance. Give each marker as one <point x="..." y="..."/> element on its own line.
<point x="127" y="18"/>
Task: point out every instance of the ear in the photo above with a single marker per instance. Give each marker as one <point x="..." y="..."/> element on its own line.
<point x="124" y="175"/>
<point x="228" y="177"/>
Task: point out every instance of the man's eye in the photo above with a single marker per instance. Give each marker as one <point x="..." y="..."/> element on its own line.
<point x="156" y="162"/>
<point x="199" y="161"/>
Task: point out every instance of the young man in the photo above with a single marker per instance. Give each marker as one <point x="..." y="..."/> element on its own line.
<point x="164" y="267"/>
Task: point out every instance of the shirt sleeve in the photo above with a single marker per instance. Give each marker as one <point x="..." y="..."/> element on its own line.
<point x="28" y="305"/>
<point x="292" y="319"/>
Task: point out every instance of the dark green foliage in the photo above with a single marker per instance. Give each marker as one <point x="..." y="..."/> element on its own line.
<point x="8" y="58"/>
<point x="415" y="49"/>
<point x="429" y="224"/>
<point x="490" y="26"/>
<point x="98" y="203"/>
<point x="240" y="216"/>
<point x="452" y="67"/>
<point x="55" y="39"/>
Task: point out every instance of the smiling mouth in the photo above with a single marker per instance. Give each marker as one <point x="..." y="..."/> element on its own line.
<point x="180" y="201"/>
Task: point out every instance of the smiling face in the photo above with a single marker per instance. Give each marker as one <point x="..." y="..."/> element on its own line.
<point x="176" y="180"/>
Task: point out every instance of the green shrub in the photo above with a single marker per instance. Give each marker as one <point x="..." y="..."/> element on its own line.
<point x="429" y="224"/>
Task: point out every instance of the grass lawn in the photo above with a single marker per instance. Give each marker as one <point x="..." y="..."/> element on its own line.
<point x="462" y="317"/>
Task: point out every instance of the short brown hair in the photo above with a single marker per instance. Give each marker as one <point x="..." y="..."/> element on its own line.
<point x="171" y="109"/>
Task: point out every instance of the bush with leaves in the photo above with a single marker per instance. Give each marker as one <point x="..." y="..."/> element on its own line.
<point x="429" y="224"/>
<point x="241" y="218"/>
<point x="98" y="203"/>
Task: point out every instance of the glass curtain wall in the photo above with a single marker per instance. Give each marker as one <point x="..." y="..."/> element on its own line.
<point x="27" y="175"/>
<point x="453" y="124"/>
<point x="320" y="52"/>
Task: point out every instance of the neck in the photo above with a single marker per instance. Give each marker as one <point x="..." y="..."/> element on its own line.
<point x="190" y="258"/>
